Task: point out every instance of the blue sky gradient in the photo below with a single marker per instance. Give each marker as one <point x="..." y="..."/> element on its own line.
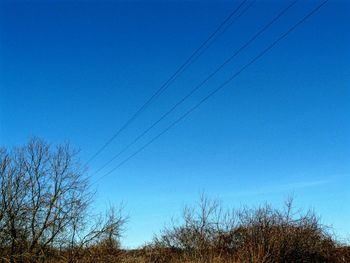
<point x="77" y="70"/>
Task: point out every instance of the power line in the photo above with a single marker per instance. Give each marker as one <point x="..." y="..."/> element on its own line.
<point x="223" y="31"/>
<point x="168" y="82"/>
<point x="228" y="60"/>
<point x="224" y="84"/>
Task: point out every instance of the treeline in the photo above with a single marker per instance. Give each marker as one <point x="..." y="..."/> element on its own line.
<point x="46" y="216"/>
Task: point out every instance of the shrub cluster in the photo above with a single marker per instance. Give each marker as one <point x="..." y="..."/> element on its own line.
<point x="207" y="234"/>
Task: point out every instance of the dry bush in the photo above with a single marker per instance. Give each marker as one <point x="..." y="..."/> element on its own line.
<point x="264" y="234"/>
<point x="270" y="235"/>
<point x="204" y="235"/>
<point x="343" y="254"/>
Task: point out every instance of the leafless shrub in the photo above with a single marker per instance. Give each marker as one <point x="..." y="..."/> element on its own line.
<point x="264" y="234"/>
<point x="270" y="235"/>
<point x="205" y="232"/>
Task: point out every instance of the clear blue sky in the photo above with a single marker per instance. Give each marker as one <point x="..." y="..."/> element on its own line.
<point x="78" y="70"/>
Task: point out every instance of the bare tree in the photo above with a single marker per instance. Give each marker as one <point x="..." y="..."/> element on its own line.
<point x="44" y="201"/>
